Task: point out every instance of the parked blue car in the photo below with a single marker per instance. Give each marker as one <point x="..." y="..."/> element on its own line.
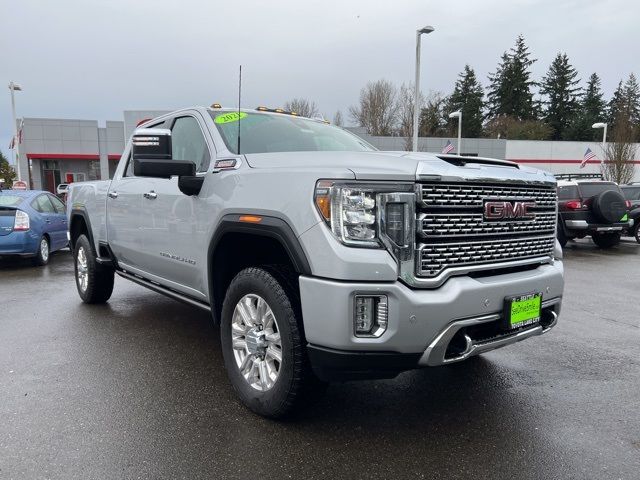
<point x="32" y="224"/>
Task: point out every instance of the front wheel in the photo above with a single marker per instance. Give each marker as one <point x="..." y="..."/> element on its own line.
<point x="94" y="284"/>
<point x="263" y="344"/>
<point x="606" y="240"/>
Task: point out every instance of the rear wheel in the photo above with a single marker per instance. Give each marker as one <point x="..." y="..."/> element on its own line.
<point x="42" y="255"/>
<point x="263" y="344"/>
<point x="606" y="240"/>
<point x="94" y="283"/>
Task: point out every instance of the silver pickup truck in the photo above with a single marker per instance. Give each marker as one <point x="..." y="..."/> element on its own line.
<point x="319" y="257"/>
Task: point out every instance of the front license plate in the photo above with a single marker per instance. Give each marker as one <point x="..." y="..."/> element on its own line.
<point x="522" y="310"/>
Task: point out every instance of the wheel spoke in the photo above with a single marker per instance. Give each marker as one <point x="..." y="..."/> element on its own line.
<point x="264" y="375"/>
<point x="248" y="359"/>
<point x="274" y="353"/>
<point x="273" y="337"/>
<point x="239" y="344"/>
<point x="238" y="328"/>
<point x="244" y="313"/>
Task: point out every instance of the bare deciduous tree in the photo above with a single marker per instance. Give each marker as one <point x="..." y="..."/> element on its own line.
<point x="619" y="155"/>
<point x="337" y="119"/>
<point x="405" y="109"/>
<point x="376" y="110"/>
<point x="302" y="106"/>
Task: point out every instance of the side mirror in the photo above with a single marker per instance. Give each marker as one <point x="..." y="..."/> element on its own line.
<point x="151" y="143"/>
<point x="148" y="167"/>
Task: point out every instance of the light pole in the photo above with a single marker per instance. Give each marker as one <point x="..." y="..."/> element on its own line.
<point x="604" y="138"/>
<point x="16" y="143"/>
<point x="458" y="115"/>
<point x="416" y="93"/>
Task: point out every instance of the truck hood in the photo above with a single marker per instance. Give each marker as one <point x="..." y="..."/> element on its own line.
<point x="401" y="166"/>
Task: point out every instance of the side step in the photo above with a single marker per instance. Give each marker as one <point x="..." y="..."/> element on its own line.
<point x="163" y="290"/>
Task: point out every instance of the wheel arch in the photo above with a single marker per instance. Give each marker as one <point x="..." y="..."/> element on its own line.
<point x="230" y="250"/>
<point x="79" y="223"/>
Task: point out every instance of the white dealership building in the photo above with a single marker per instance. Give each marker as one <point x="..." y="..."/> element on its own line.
<point x="54" y="150"/>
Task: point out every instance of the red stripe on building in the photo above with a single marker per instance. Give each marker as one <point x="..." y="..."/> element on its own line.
<point x="70" y="156"/>
<point x="542" y="160"/>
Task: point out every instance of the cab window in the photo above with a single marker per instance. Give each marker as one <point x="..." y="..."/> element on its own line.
<point x="188" y="143"/>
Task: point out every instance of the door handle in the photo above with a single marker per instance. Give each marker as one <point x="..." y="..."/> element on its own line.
<point x="113" y="194"/>
<point x="47" y="221"/>
<point x="151" y="195"/>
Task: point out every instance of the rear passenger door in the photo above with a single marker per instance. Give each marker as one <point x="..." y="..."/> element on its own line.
<point x="175" y="225"/>
<point x="44" y="207"/>
<point x="59" y="222"/>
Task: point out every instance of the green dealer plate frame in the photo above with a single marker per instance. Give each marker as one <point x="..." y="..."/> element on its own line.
<point x="522" y="310"/>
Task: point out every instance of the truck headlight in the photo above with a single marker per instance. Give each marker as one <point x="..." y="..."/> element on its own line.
<point x="351" y="209"/>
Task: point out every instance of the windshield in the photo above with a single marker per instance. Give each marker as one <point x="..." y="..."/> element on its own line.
<point x="264" y="133"/>
<point x="10" y="200"/>
<point x="589" y="190"/>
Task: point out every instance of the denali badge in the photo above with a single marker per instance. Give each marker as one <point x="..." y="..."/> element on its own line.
<point x="505" y="210"/>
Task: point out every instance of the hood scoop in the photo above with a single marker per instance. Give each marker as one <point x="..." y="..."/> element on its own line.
<point x="459" y="161"/>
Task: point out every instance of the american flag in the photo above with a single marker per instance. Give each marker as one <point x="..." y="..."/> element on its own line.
<point x="588" y="155"/>
<point x="448" y="148"/>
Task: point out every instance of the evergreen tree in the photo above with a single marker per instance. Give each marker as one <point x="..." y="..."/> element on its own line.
<point x="467" y="96"/>
<point x="592" y="109"/>
<point x="624" y="106"/>
<point x="510" y="86"/>
<point x="560" y="87"/>
<point x="7" y="173"/>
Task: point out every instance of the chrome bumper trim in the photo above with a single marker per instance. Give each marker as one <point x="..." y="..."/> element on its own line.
<point x="434" y="355"/>
<point x="578" y="224"/>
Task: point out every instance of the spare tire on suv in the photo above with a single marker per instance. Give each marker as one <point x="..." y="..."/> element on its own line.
<point x="609" y="206"/>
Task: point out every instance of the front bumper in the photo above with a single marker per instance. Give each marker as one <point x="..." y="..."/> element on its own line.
<point x="421" y="324"/>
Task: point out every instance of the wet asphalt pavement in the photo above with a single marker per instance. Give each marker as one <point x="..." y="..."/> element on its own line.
<point x="136" y="389"/>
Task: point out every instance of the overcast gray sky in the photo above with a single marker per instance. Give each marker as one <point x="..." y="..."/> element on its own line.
<point x="94" y="59"/>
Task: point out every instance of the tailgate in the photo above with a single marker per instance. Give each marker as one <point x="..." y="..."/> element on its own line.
<point x="7" y="219"/>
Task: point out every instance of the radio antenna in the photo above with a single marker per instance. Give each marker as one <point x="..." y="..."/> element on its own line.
<point x="239" y="100"/>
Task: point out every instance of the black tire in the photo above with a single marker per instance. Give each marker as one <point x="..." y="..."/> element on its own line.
<point x="97" y="286"/>
<point x="562" y="238"/>
<point x="295" y="381"/>
<point x="43" y="252"/>
<point x="606" y="240"/>
<point x="636" y="230"/>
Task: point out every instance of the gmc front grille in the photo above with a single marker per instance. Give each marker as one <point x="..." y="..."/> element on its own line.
<point x="452" y="231"/>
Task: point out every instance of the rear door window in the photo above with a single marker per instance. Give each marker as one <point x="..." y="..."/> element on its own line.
<point x="42" y="204"/>
<point x="567" y="192"/>
<point x="631" y="193"/>
<point x="57" y="204"/>
<point x="589" y="190"/>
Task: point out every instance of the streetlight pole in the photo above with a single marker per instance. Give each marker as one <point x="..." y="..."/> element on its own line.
<point x="16" y="143"/>
<point x="458" y="115"/>
<point x="604" y="138"/>
<point x="416" y="93"/>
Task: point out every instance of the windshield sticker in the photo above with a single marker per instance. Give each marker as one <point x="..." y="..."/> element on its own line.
<point x="230" y="117"/>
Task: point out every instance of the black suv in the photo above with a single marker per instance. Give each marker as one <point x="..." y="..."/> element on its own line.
<point x="632" y="194"/>
<point x="588" y="206"/>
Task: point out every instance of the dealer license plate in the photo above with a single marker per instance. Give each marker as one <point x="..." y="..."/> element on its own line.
<point x="522" y="310"/>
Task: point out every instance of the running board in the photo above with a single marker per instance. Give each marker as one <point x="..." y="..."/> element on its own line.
<point x="163" y="290"/>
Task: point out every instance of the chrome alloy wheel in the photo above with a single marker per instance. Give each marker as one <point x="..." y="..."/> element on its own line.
<point x="256" y="342"/>
<point x="44" y="249"/>
<point x="82" y="271"/>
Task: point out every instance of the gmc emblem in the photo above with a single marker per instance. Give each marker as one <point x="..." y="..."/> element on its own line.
<point x="505" y="210"/>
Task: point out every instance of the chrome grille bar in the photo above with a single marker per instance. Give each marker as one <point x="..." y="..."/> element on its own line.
<point x="439" y="225"/>
<point x="433" y="259"/>
<point x="473" y="195"/>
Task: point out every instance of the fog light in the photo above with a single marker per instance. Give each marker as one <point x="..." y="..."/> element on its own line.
<point x="370" y="315"/>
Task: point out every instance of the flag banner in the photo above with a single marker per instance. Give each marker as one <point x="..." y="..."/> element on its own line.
<point x="448" y="148"/>
<point x="588" y="155"/>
